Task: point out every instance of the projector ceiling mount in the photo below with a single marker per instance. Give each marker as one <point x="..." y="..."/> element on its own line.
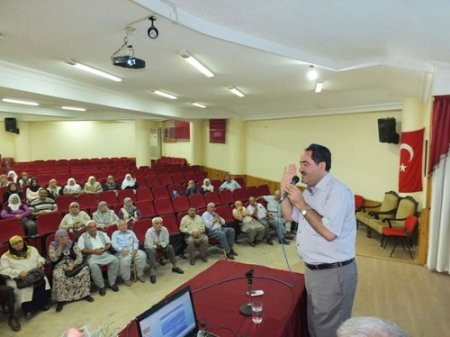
<point x="152" y="32"/>
<point x="124" y="56"/>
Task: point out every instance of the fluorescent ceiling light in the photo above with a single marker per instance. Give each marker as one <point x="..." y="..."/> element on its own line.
<point x="163" y="94"/>
<point x="74" y="108"/>
<point x="236" y="92"/>
<point x="198" y="105"/>
<point x="18" y="101"/>
<point x="197" y="65"/>
<point x="319" y="87"/>
<point x="312" y="74"/>
<point x="96" y="71"/>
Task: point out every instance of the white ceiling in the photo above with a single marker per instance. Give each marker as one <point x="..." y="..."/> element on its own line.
<point x="370" y="54"/>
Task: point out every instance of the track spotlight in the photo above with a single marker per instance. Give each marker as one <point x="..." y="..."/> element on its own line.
<point x="152" y="32"/>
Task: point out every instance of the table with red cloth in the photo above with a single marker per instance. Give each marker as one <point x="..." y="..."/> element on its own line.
<point x="219" y="291"/>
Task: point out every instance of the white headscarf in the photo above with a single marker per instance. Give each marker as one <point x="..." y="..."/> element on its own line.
<point x="14" y="207"/>
<point x="209" y="188"/>
<point x="72" y="188"/>
<point x="14" y="175"/>
<point x="128" y="183"/>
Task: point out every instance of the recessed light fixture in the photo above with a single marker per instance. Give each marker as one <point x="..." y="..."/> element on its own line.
<point x="73" y="108"/>
<point x="94" y="71"/>
<point x="312" y="73"/>
<point x="319" y="87"/>
<point x="199" y="105"/>
<point x="19" y="101"/>
<point x="197" y="65"/>
<point x="236" y="91"/>
<point x="163" y="94"/>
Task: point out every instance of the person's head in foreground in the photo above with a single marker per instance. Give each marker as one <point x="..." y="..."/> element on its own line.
<point x="369" y="327"/>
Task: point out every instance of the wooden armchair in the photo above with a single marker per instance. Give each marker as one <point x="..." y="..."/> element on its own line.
<point x="385" y="209"/>
<point x="407" y="206"/>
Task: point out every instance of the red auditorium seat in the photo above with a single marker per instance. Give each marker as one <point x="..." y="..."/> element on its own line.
<point x="140" y="227"/>
<point x="88" y="201"/>
<point x="63" y="202"/>
<point x="226" y="197"/>
<point x="165" y="179"/>
<point x="212" y="197"/>
<point x="146" y="209"/>
<point x="110" y="197"/>
<point x="164" y="206"/>
<point x="126" y="193"/>
<point x="144" y="193"/>
<point x="264" y="190"/>
<point x="240" y="194"/>
<point x="197" y="201"/>
<point x="160" y="192"/>
<point x="180" y="203"/>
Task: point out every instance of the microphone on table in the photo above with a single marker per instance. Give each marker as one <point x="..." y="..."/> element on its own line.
<point x="294" y="181"/>
<point x="246" y="309"/>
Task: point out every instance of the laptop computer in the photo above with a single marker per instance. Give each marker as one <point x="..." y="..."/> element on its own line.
<point x="172" y="317"/>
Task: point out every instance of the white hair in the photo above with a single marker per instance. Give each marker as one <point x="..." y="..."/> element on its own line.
<point x="370" y="327"/>
<point x="157" y="219"/>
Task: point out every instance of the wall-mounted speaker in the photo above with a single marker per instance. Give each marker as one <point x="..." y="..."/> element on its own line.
<point x="386" y="130"/>
<point x="11" y="125"/>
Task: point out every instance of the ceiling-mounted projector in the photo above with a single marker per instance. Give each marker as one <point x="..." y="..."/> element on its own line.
<point x="127" y="59"/>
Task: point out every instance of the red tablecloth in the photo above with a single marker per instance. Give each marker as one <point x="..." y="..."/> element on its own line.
<point x="219" y="291"/>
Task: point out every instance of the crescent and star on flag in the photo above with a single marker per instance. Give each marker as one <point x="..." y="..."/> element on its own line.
<point x="410" y="151"/>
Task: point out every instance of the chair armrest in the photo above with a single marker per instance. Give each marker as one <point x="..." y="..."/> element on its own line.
<point x="377" y="214"/>
<point x="373" y="206"/>
<point x="388" y="220"/>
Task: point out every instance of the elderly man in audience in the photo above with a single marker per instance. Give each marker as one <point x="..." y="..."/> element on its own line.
<point x="249" y="225"/>
<point x="92" y="186"/>
<point x="157" y="240"/>
<point x="53" y="189"/>
<point x="259" y="212"/>
<point x="192" y="188"/>
<point x="96" y="245"/>
<point x="229" y="184"/>
<point x="274" y="211"/>
<point x="126" y="244"/>
<point x="104" y="216"/>
<point x="43" y="204"/>
<point x="370" y="327"/>
<point x="193" y="226"/>
<point x="75" y="220"/>
<point x="215" y="230"/>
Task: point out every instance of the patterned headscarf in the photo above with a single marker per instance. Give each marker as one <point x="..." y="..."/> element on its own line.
<point x="18" y="254"/>
<point x="58" y="234"/>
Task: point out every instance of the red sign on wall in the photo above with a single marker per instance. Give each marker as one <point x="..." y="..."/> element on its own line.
<point x="217" y="130"/>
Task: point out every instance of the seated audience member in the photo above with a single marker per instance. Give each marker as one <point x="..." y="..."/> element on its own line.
<point x="4" y="180"/>
<point x="72" y="188"/>
<point x="12" y="176"/>
<point x="32" y="191"/>
<point x="75" y="220"/>
<point x="9" y="299"/>
<point x="16" y="209"/>
<point x="24" y="179"/>
<point x="16" y="263"/>
<point x="157" y="240"/>
<point x="229" y="184"/>
<point x="65" y="255"/>
<point x="192" y="188"/>
<point x="53" y="189"/>
<point x="259" y="212"/>
<point x="110" y="184"/>
<point x="92" y="186"/>
<point x="274" y="211"/>
<point x="129" y="211"/>
<point x="96" y="245"/>
<point x="193" y="226"/>
<point x="129" y="182"/>
<point x="249" y="225"/>
<point x="225" y="235"/>
<point x="175" y="194"/>
<point x="104" y="216"/>
<point x="43" y="204"/>
<point x="12" y="189"/>
<point x="126" y="244"/>
<point x="207" y="186"/>
<point x="370" y="327"/>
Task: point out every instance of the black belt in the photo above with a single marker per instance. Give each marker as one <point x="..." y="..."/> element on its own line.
<point x="328" y="265"/>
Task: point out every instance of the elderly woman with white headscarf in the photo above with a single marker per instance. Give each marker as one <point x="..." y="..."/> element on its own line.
<point x="207" y="186"/>
<point x="92" y="186"/>
<point x="16" y="209"/>
<point x="12" y="175"/>
<point x="72" y="187"/>
<point x="129" y="182"/>
<point x="129" y="211"/>
<point x="104" y="216"/>
<point x="75" y="219"/>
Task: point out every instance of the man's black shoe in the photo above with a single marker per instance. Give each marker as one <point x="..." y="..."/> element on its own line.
<point x="233" y="252"/>
<point x="177" y="270"/>
<point x="115" y="288"/>
<point x="230" y="256"/>
<point x="153" y="278"/>
<point x="102" y="291"/>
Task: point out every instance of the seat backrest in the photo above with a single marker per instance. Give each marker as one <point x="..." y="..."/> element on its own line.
<point x="410" y="224"/>
<point x="160" y="192"/>
<point x="180" y="203"/>
<point x="264" y="190"/>
<point x="212" y="197"/>
<point x="170" y="222"/>
<point x="407" y="206"/>
<point x="146" y="209"/>
<point x="226" y="197"/>
<point x="110" y="197"/>
<point x="197" y="201"/>
<point x="163" y="206"/>
<point x="140" y="227"/>
<point x="48" y="222"/>
<point x="359" y="201"/>
<point x="225" y="212"/>
<point x="144" y="193"/>
<point x="63" y="202"/>
<point x="390" y="202"/>
<point x="9" y="228"/>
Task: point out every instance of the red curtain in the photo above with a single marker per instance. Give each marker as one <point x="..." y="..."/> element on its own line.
<point x="440" y="130"/>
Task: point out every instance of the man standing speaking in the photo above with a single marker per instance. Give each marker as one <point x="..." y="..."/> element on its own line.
<point x="326" y="234"/>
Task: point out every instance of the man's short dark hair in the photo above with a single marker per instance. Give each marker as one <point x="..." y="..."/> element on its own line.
<point x="320" y="153"/>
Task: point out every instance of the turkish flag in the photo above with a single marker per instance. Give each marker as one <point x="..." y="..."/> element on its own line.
<point x="410" y="175"/>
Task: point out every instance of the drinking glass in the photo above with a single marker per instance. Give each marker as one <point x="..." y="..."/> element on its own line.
<point x="257" y="312"/>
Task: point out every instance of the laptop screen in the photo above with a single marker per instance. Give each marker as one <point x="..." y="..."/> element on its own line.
<point x="172" y="317"/>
